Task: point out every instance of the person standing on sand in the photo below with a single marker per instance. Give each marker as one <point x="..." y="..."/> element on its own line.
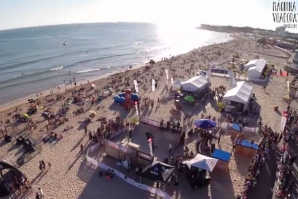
<point x="170" y="148"/>
<point x="82" y="147"/>
<point x="37" y="196"/>
<point x="40" y="193"/>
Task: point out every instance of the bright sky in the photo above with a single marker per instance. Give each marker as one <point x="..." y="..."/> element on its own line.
<point x="26" y="13"/>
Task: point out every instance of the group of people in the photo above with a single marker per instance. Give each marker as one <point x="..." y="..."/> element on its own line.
<point x="42" y="165"/>
<point x="285" y="182"/>
<point x="268" y="142"/>
<point x="15" y="182"/>
<point x="110" y="126"/>
<point x="108" y="174"/>
<point x="205" y="142"/>
<point x="285" y="176"/>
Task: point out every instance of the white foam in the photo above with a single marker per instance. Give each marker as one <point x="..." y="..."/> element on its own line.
<point x="139" y="42"/>
<point x="58" y="68"/>
<point x="87" y="71"/>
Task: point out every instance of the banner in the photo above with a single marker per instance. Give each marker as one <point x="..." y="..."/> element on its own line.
<point x="112" y="145"/>
<point x="92" y="148"/>
<point x="144" y="156"/>
<point x="150" y="122"/>
<point x="136" y="85"/>
<point x="124" y="149"/>
<point x="167" y="75"/>
<point x="232" y="79"/>
<point x="137" y="110"/>
<point x="153" y="85"/>
<point x="172" y="81"/>
<point x="209" y="74"/>
<point x="283" y="122"/>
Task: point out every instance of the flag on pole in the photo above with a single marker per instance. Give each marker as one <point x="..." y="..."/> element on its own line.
<point x="153" y="85"/>
<point x="136" y="85"/>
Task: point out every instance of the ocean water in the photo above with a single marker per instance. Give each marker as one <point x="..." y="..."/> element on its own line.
<point x="35" y="59"/>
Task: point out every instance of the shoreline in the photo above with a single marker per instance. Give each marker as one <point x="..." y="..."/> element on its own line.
<point x="46" y="93"/>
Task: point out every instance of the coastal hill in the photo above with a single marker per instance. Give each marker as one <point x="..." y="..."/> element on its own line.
<point x="230" y="29"/>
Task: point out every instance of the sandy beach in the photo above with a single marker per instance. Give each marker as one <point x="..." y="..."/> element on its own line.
<point x="70" y="176"/>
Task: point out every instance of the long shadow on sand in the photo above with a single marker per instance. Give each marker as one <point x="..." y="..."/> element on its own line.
<point x="3" y="143"/>
<point x="217" y="187"/>
<point x="77" y="144"/>
<point x="39" y="177"/>
<point x="13" y="147"/>
<point x="266" y="179"/>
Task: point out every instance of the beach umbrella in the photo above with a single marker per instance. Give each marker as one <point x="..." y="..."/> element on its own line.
<point x="205" y="123"/>
<point x="25" y="115"/>
<point x="189" y="99"/>
<point x="92" y="85"/>
<point x="92" y="112"/>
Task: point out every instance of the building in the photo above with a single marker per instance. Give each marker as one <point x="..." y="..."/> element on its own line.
<point x="280" y="31"/>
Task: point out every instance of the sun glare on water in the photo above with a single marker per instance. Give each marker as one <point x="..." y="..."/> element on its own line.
<point x="182" y="39"/>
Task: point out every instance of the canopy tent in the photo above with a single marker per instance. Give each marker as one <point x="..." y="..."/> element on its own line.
<point x="158" y="171"/>
<point x="259" y="63"/>
<point x="195" y="84"/>
<point x="255" y="68"/>
<point x="241" y="93"/>
<point x="205" y="123"/>
<point x="189" y="99"/>
<point x="177" y="82"/>
<point x="202" y="162"/>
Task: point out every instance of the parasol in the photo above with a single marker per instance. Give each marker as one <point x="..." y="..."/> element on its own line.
<point x="25" y="115"/>
<point x="205" y="123"/>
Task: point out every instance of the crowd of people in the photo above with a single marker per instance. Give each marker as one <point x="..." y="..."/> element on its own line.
<point x="285" y="182"/>
<point x="268" y="142"/>
<point x="285" y="179"/>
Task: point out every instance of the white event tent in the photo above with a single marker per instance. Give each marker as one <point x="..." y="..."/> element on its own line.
<point x="255" y="68"/>
<point x="241" y="93"/>
<point x="195" y="83"/>
<point x="202" y="162"/>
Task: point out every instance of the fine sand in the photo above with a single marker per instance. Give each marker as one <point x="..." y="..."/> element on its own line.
<point x="70" y="176"/>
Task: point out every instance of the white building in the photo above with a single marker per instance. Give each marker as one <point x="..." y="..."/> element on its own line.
<point x="255" y="68"/>
<point x="280" y="31"/>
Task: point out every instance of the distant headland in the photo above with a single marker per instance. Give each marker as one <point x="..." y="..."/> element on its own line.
<point x="231" y="29"/>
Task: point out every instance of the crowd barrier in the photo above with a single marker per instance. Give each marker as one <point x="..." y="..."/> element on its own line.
<point x="150" y="122"/>
<point x="144" y="187"/>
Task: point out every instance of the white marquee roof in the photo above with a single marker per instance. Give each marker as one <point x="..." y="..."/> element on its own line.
<point x="257" y="64"/>
<point x="241" y="93"/>
<point x="194" y="83"/>
<point x="202" y="162"/>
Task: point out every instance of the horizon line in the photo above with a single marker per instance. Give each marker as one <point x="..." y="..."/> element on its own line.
<point x="62" y="24"/>
<point x="136" y="22"/>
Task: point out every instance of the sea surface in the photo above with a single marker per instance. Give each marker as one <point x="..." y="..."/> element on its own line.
<point x="35" y="59"/>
